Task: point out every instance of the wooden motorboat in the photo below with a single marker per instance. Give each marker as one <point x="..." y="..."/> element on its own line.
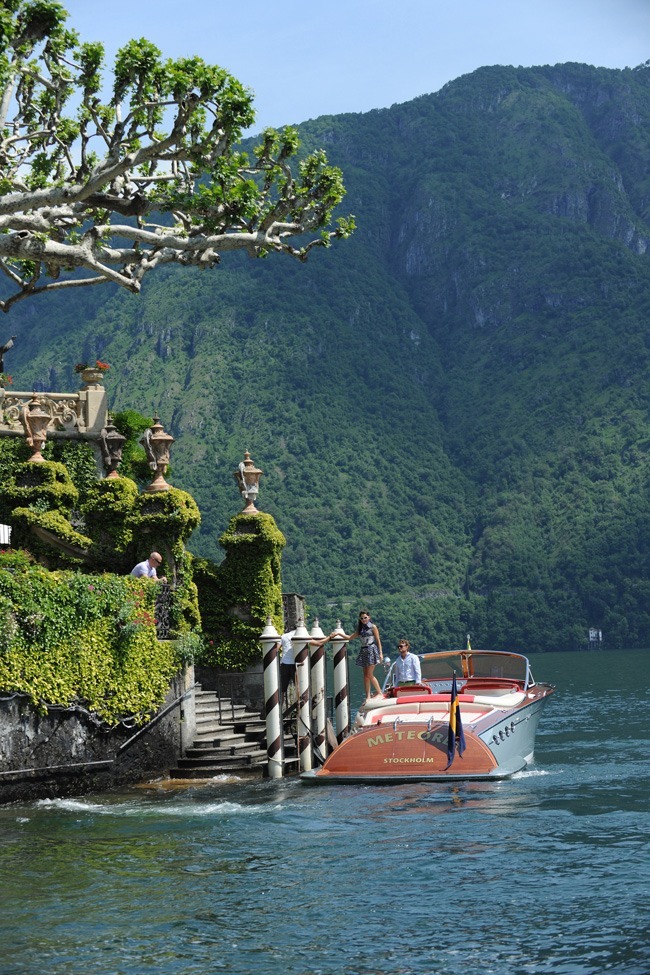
<point x="489" y="698"/>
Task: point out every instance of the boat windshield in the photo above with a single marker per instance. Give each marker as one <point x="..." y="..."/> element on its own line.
<point x="442" y="666"/>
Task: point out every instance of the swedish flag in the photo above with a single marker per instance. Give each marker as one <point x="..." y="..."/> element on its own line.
<point x="456" y="735"/>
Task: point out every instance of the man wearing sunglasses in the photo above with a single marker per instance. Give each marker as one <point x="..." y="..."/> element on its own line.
<point x="407" y="668"/>
<point x="148" y="568"/>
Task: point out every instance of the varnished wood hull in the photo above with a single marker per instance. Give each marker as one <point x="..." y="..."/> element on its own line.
<point x="416" y="750"/>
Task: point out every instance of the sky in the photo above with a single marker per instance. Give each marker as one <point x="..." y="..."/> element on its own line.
<point x="303" y="59"/>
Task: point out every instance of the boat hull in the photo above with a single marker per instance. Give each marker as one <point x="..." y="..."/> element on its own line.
<point x="414" y="748"/>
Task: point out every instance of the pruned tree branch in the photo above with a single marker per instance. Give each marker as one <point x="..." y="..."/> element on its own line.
<point x="160" y="152"/>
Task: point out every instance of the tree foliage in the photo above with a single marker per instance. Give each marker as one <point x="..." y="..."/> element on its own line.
<point x="96" y="189"/>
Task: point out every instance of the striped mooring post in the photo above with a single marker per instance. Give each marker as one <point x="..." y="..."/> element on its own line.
<point x="300" y="641"/>
<point x="341" y="684"/>
<point x="318" y="702"/>
<point x="270" y="640"/>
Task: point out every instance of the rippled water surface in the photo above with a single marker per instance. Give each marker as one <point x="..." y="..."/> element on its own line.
<point x="546" y="872"/>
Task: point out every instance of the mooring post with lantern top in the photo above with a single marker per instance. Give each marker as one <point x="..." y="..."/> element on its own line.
<point x="270" y="640"/>
<point x="341" y="683"/>
<point x="300" y="641"/>
<point x="317" y="681"/>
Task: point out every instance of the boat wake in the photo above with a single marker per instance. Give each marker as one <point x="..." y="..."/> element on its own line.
<point x="179" y="809"/>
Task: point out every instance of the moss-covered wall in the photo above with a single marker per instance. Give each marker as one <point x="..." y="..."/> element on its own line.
<point x="237" y="596"/>
<point x="97" y="526"/>
<point x="80" y="640"/>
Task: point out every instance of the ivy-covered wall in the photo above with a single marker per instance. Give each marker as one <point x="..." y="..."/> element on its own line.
<point x="76" y="629"/>
<point x="74" y="639"/>
<point x="82" y="529"/>
<point x="237" y="596"/>
<point x="67" y="518"/>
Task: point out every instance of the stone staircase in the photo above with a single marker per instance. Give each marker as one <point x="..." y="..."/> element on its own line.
<point x="229" y="739"/>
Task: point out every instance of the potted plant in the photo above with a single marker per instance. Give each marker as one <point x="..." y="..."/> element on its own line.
<point x="92" y="373"/>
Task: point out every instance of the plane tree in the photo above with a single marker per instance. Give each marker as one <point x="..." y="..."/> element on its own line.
<point x="99" y="187"/>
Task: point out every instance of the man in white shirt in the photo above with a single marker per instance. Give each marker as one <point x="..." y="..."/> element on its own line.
<point x="288" y="661"/>
<point x="407" y="668"/>
<point x="287" y="664"/>
<point x="148" y="568"/>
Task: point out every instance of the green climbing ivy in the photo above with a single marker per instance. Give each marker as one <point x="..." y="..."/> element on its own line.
<point x="70" y="519"/>
<point x="72" y="639"/>
<point x="237" y="596"/>
<point x="134" y="464"/>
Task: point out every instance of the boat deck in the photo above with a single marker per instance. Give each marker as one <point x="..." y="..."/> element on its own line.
<point x="435" y="707"/>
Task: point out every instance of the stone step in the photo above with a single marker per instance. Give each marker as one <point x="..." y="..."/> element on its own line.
<point x="254" y="764"/>
<point x="223" y="737"/>
<point x="223" y="758"/>
<point x="212" y="761"/>
<point x="237" y="763"/>
<point x="229" y="747"/>
<point x="250" y="727"/>
<point x="201" y="695"/>
<point x="215" y="730"/>
<point x="226" y="717"/>
<point x="223" y="740"/>
<point x="231" y="741"/>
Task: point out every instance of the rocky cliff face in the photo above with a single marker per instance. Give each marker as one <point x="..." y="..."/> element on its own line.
<point x="517" y="152"/>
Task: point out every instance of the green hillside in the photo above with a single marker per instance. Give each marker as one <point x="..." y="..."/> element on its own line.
<point x="451" y="408"/>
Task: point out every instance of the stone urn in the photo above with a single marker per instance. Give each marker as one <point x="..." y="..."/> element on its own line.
<point x="92" y="376"/>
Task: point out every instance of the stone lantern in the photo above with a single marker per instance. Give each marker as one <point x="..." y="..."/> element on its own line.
<point x="36" y="422"/>
<point x="156" y="444"/>
<point x="248" y="481"/>
<point x="111" y="442"/>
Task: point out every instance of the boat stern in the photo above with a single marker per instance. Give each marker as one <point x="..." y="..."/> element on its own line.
<point x="388" y="754"/>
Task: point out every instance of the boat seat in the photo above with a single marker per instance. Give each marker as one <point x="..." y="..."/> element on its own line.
<point x="431" y="698"/>
<point x="483" y="684"/>
<point x="418" y="698"/>
<point x="407" y="690"/>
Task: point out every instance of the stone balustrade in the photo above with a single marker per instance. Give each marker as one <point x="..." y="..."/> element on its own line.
<point x="74" y="416"/>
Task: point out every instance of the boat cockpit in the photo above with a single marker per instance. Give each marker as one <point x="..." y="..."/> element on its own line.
<point x="475" y="671"/>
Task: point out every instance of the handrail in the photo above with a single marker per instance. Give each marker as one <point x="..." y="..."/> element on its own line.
<point x="227" y="678"/>
<point x="104" y="761"/>
<point x="156" y="718"/>
<point x="55" y="768"/>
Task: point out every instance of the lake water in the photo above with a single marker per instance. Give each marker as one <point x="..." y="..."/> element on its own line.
<point x="546" y="872"/>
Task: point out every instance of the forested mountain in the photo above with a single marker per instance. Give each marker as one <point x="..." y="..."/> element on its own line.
<point x="452" y="407"/>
